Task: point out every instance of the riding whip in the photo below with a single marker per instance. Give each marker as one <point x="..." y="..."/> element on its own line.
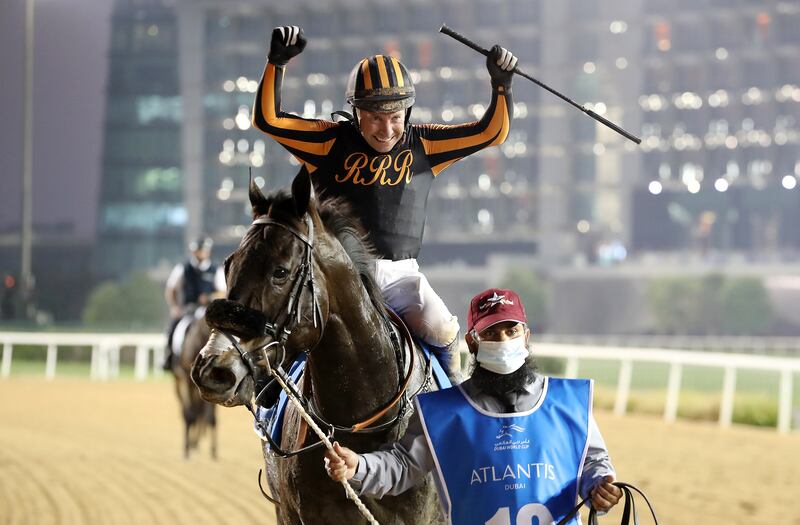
<point x="469" y="43"/>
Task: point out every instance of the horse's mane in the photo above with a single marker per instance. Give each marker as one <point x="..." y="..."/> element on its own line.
<point x="339" y="218"/>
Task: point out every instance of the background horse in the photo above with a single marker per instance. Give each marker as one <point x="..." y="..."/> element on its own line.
<point x="303" y="270"/>
<point x="199" y="415"/>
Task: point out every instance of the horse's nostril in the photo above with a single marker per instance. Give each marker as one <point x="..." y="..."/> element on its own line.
<point x="222" y="378"/>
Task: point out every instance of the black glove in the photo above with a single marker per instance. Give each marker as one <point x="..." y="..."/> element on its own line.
<point x="287" y="42"/>
<point x="501" y="63"/>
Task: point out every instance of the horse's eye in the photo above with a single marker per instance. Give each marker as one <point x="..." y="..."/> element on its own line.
<point x="280" y="273"/>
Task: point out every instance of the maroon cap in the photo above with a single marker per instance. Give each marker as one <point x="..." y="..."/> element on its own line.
<point x="495" y="305"/>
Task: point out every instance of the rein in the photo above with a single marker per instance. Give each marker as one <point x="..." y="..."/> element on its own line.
<point x="628" y="511"/>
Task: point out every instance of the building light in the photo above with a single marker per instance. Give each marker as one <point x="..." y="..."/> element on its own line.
<point x="243" y="121"/>
<point x="752" y="96"/>
<point x="256" y="159"/>
<point x="225" y="157"/>
<point x="484" y="182"/>
<point x="478" y="110"/>
<point x="309" y="109"/>
<point x="654" y="187"/>
<point x="485" y="219"/>
<point x="663" y="36"/>
<point x="617" y="27"/>
<point x="664" y="171"/>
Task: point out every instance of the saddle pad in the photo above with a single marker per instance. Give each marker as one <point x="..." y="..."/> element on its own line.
<point x="272" y="418"/>
<point x="438" y="372"/>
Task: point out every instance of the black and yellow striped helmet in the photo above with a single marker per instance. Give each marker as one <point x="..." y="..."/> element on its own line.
<point x="380" y="83"/>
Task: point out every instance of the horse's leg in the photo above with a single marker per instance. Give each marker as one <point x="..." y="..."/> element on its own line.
<point x="186" y="436"/>
<point x="277" y="487"/>
<point x="185" y="403"/>
<point x="212" y="423"/>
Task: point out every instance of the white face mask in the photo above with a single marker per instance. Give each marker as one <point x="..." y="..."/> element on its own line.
<point x="502" y="357"/>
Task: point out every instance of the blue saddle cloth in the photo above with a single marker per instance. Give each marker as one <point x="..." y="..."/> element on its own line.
<point x="272" y="418"/>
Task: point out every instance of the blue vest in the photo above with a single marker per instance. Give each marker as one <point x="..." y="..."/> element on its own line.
<point x="508" y="469"/>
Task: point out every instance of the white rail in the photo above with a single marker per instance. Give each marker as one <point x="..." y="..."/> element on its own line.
<point x="105" y="351"/>
<point x="677" y="359"/>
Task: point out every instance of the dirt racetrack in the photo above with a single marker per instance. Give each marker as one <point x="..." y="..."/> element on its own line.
<point x="77" y="452"/>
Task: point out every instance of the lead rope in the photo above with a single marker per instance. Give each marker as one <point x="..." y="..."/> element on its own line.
<point x="351" y="494"/>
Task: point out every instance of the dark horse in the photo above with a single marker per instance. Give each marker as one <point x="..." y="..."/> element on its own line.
<point x="199" y="416"/>
<point x="302" y="276"/>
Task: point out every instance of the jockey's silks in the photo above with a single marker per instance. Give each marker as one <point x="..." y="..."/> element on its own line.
<point x="501" y="469"/>
<point x="388" y="191"/>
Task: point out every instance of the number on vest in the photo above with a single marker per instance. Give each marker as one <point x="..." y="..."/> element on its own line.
<point x="525" y="516"/>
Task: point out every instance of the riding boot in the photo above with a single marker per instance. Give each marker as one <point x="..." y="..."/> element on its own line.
<point x="450" y="360"/>
<point x="168" y="355"/>
<point x="168" y="358"/>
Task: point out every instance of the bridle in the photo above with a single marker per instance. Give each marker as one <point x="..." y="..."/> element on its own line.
<point x="281" y="328"/>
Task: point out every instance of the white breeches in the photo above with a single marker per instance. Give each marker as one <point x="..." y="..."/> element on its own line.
<point x="408" y="292"/>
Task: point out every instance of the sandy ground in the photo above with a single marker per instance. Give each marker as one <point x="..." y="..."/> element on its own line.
<point x="75" y="452"/>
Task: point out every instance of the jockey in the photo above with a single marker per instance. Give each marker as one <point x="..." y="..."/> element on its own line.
<point x="506" y="442"/>
<point x="191" y="284"/>
<point x="385" y="166"/>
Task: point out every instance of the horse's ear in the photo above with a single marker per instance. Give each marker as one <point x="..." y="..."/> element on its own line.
<point x="257" y="199"/>
<point x="303" y="192"/>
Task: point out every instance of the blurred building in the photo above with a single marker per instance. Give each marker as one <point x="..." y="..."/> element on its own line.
<point x="709" y="85"/>
<point x="720" y="104"/>
<point x="142" y="215"/>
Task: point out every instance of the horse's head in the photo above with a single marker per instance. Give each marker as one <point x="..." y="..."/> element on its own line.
<point x="277" y="303"/>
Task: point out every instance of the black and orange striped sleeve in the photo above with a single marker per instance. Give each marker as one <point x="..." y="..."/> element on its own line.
<point x="308" y="140"/>
<point x="445" y="144"/>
